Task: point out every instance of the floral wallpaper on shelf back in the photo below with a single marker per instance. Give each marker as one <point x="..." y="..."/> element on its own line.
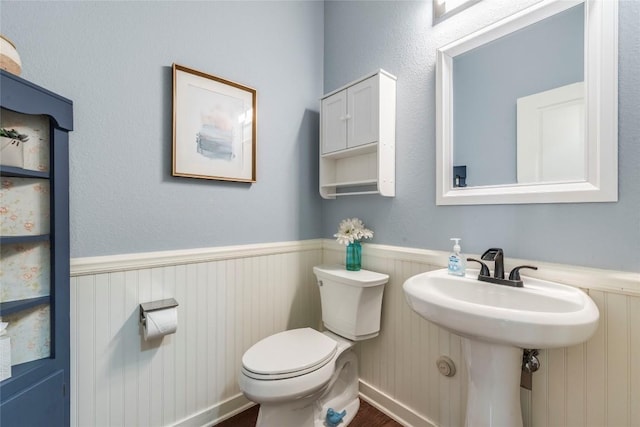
<point x="30" y="334"/>
<point x="24" y="271"/>
<point x="24" y="206"/>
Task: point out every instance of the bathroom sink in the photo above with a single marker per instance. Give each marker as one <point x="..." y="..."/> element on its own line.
<point x="541" y="314"/>
<point x="496" y="322"/>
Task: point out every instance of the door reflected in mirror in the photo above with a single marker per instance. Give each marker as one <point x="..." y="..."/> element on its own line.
<point x="550" y="136"/>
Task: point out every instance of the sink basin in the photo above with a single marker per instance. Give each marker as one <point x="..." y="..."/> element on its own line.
<point x="496" y="323"/>
<point x="541" y="314"/>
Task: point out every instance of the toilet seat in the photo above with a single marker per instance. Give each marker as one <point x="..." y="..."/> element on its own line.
<point x="288" y="354"/>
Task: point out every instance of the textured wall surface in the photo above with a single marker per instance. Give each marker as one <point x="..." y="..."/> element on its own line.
<point x="399" y="37"/>
<point x="113" y="59"/>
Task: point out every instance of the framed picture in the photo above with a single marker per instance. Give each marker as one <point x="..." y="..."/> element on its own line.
<point x="214" y="127"/>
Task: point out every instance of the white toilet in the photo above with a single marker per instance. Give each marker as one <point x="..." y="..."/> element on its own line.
<point x="303" y="377"/>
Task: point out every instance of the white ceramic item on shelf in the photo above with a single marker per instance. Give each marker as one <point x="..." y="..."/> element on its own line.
<point x="9" y="58"/>
<point x="11" y="152"/>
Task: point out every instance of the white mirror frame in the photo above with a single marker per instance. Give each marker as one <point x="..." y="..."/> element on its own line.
<point x="601" y="83"/>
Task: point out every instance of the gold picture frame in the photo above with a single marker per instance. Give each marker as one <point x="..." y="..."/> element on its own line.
<point x="214" y="127"/>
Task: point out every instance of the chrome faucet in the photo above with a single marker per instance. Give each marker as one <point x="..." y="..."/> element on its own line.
<point x="497" y="256"/>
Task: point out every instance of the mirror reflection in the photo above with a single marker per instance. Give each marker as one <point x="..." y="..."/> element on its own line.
<point x="518" y="106"/>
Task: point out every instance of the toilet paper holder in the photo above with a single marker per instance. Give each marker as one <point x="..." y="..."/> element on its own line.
<point x="147" y="307"/>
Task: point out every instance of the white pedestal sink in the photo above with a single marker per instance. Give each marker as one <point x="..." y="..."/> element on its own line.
<point x="496" y="322"/>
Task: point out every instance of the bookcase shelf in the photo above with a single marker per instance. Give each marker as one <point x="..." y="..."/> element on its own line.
<point x="35" y="266"/>
<point x="22" y="173"/>
<point x="11" y="307"/>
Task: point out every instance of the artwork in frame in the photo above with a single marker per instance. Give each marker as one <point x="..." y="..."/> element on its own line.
<point x="214" y="127"/>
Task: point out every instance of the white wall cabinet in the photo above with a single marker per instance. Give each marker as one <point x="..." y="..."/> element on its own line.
<point x="357" y="138"/>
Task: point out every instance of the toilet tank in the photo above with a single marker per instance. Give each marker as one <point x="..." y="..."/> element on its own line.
<point x="351" y="300"/>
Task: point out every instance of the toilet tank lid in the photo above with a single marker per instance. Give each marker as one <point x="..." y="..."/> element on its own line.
<point x="339" y="273"/>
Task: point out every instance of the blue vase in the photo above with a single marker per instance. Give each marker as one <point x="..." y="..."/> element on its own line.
<point x="354" y="256"/>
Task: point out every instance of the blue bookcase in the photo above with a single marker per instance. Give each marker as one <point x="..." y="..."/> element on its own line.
<point x="34" y="243"/>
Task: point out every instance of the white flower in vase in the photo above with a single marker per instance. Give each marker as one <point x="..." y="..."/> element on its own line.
<point x="352" y="230"/>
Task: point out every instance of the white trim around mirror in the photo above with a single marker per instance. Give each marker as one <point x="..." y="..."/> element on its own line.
<point x="601" y="82"/>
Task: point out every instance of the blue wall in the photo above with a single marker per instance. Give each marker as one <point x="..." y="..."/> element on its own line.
<point x="399" y="37"/>
<point x="489" y="80"/>
<point x="113" y="59"/>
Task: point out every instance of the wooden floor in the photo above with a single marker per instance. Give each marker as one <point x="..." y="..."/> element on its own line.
<point x="367" y="416"/>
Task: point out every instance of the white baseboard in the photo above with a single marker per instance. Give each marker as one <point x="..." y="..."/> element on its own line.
<point x="379" y="400"/>
<point x="394" y="409"/>
<point x="217" y="413"/>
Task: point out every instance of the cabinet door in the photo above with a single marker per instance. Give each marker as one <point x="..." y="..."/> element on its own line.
<point x="334" y="122"/>
<point x="40" y="404"/>
<point x="363" y="112"/>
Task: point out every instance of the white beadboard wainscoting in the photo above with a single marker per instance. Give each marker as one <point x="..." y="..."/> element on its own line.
<point x="230" y="297"/>
<point x="593" y="384"/>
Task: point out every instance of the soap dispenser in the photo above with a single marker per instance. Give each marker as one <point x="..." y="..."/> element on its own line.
<point x="457" y="264"/>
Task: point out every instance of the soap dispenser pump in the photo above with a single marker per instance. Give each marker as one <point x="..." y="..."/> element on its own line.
<point x="457" y="264"/>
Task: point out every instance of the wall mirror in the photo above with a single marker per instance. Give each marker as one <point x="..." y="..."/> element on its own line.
<point x="527" y="108"/>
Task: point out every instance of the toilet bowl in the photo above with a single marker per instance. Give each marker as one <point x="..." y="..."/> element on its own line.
<point x="288" y="397"/>
<point x="305" y="378"/>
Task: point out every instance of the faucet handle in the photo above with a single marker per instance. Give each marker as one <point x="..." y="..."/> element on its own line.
<point x="484" y="270"/>
<point x="515" y="273"/>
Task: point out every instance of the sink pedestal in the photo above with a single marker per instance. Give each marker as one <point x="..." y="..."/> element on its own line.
<point x="496" y="322"/>
<point x="493" y="395"/>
